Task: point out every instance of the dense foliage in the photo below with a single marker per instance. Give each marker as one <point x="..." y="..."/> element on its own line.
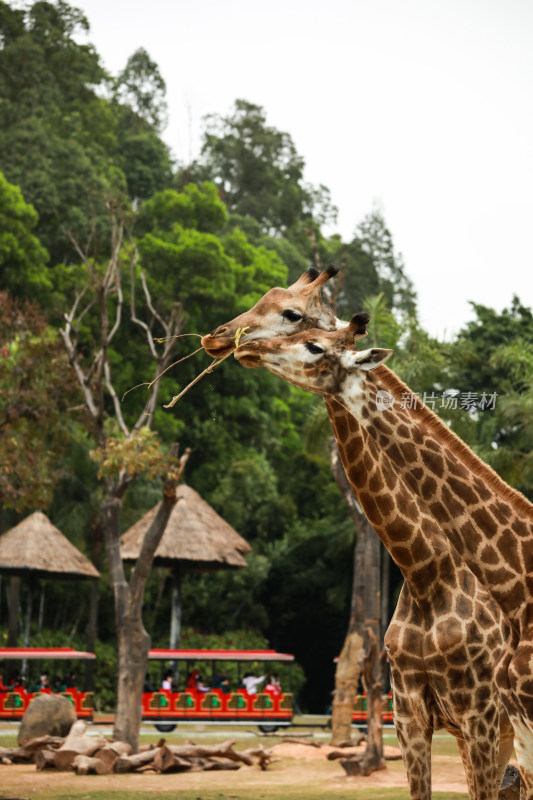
<point x="81" y="157"/>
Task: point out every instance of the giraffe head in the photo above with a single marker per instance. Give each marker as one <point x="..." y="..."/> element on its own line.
<point x="280" y="312"/>
<point x="323" y="362"/>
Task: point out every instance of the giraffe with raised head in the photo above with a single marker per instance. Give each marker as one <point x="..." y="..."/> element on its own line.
<point x="421" y="486"/>
<point x="422" y="655"/>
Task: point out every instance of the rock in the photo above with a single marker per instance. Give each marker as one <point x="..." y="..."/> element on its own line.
<point x="49" y="714"/>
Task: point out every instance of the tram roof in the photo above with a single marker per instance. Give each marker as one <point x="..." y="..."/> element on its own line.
<point x="218" y="655"/>
<point x="13" y="653"/>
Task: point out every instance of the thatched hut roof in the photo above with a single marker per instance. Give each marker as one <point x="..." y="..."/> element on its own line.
<point x="195" y="534"/>
<point x="36" y="546"/>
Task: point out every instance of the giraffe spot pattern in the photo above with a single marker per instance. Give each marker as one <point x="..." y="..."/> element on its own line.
<point x="375" y="484"/>
<point x="501" y="511"/>
<point x="370" y="508"/>
<point x="485" y="522"/>
<point x="434" y="462"/>
<point x="454" y="507"/>
<point x="428" y="488"/>
<point x="400" y="530"/>
<point x="439" y="512"/>
<point x="420" y="550"/>
<point x="407" y="507"/>
<point x="385" y="504"/>
<point x="409" y="452"/>
<point x="462" y="490"/>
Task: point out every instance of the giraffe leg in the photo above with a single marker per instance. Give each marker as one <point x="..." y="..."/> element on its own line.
<point x="414" y="739"/>
<point x="480" y="755"/>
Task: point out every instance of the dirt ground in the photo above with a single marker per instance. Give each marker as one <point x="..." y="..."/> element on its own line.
<point x="299" y="765"/>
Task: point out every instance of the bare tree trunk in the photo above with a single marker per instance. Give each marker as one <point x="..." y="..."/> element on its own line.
<point x="365" y="610"/>
<point x="40" y="618"/>
<point x="14" y="600"/>
<point x="102" y="291"/>
<point x="346" y="678"/>
<point x="373" y="758"/>
<point x="133" y="640"/>
<point x="348" y="668"/>
<point x="372" y="581"/>
<point x="29" y="613"/>
<point x="92" y="624"/>
<point x="175" y="619"/>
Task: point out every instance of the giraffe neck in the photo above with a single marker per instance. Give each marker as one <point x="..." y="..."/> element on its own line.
<point x="413" y="540"/>
<point x="489" y="524"/>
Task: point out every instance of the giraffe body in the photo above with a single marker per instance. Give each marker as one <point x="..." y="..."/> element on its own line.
<point x="422" y="489"/>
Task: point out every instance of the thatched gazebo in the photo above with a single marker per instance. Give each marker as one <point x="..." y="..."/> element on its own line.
<point x="195" y="536"/>
<point x="35" y="548"/>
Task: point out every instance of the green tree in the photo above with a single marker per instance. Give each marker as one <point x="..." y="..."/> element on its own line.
<point x="375" y="240"/>
<point x="141" y="86"/>
<point x="258" y="170"/>
<point x="36" y="389"/>
<point x="69" y="148"/>
<point x="23" y="260"/>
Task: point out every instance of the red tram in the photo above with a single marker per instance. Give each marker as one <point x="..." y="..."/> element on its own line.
<point x="268" y="710"/>
<point x="359" y="714"/>
<point x="15" y="697"/>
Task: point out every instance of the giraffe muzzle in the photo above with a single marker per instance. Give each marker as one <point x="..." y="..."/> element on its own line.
<point x="247" y="357"/>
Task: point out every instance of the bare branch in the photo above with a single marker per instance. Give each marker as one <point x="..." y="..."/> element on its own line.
<point x="134" y="317"/>
<point x="150" y="304"/>
<point x="114" y="397"/>
<point x="118" y="316"/>
<point x="84" y="385"/>
<point x="80" y="252"/>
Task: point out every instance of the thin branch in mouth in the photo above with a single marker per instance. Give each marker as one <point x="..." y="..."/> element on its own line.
<point x="165" y="370"/>
<point x="161" y="340"/>
<point x="210" y="368"/>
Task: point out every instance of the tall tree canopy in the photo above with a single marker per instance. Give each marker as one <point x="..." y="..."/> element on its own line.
<point x="259" y="171"/>
<point x="68" y="148"/>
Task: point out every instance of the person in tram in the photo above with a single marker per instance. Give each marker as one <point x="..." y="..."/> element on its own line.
<point x="43" y="685"/>
<point x="195" y="682"/>
<point x="222" y="682"/>
<point x="192" y="680"/>
<point x="273" y="685"/>
<point x="147" y="684"/>
<point x="167" y="681"/>
<point x="17" y="683"/>
<point x="251" y="682"/>
<point x="70" y="681"/>
<point x="200" y="685"/>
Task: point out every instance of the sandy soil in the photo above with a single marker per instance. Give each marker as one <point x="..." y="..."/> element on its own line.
<point x="299" y="765"/>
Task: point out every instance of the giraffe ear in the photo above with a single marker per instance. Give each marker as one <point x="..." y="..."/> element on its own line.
<point x="369" y="359"/>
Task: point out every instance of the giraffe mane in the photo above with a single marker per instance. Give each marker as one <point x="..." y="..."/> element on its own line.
<point x="434" y="424"/>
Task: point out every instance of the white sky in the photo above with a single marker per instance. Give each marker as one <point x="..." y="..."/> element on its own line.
<point x="423" y="106"/>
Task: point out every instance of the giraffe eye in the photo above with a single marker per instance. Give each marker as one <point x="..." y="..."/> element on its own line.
<point x="291" y="316"/>
<point x="313" y="348"/>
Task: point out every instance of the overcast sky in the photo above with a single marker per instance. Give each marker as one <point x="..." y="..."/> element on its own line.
<point x="422" y="106"/>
